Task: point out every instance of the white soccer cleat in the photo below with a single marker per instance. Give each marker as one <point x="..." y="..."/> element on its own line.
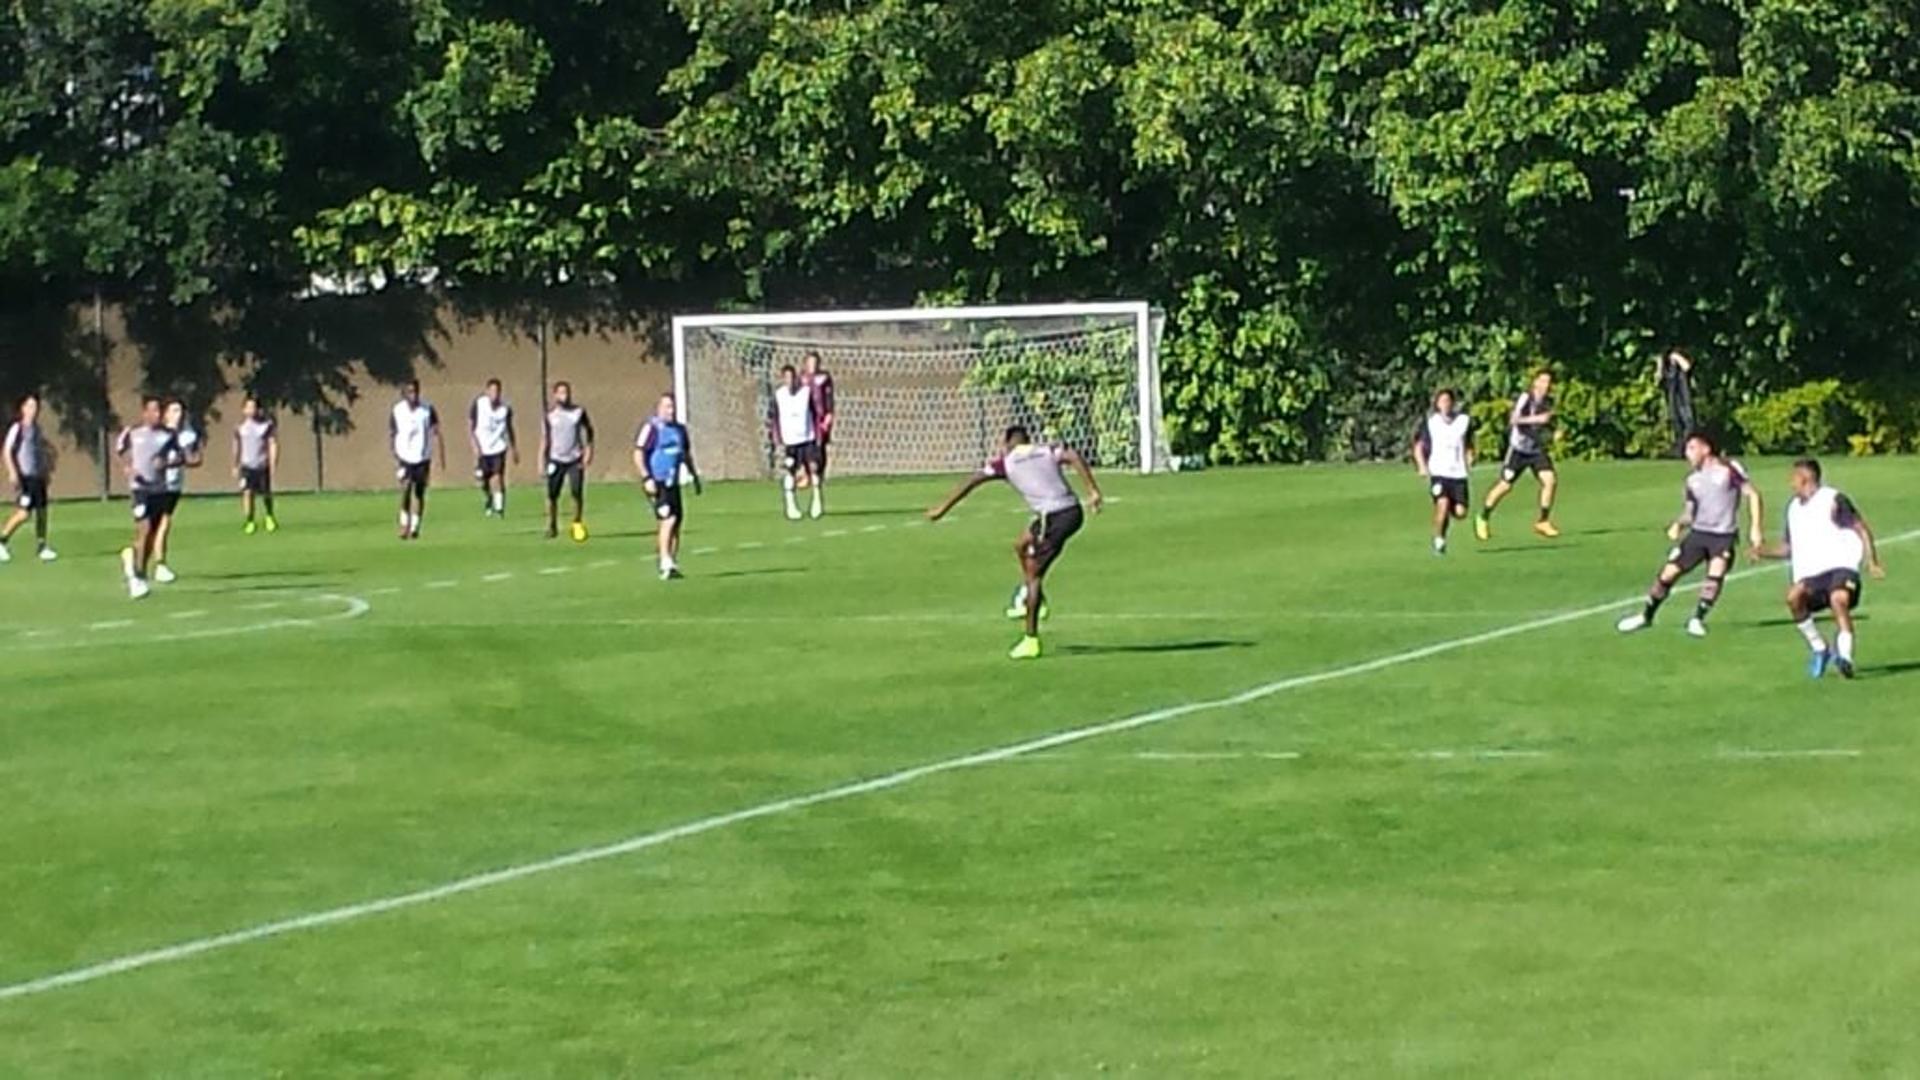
<point x="1631" y="623"/>
<point x="793" y="512"/>
<point x="5" y="555"/>
<point x="817" y="510"/>
<point x="1696" y="628"/>
<point x="164" y="574"/>
<point x="138" y="589"/>
<point x="48" y="555"/>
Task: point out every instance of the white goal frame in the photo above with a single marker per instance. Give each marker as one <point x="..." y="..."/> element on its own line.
<point x="1146" y="344"/>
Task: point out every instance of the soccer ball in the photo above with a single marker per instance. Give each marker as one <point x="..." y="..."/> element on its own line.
<point x="579" y="532"/>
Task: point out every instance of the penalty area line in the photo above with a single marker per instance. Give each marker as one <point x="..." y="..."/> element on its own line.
<point x="885" y="782"/>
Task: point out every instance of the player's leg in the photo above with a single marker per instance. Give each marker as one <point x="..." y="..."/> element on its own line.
<point x="1843" y="602"/>
<point x="14" y="520"/>
<point x="1549" y="486"/>
<point x="555" y="480"/>
<point x="265" y="494"/>
<point x="1483" y="524"/>
<point x="1800" y="608"/>
<point x="1670" y="572"/>
<point x="1710" y="589"/>
<point x="246" y="501"/>
<point x="40" y="514"/>
<point x="134" y="559"/>
<point x="162" y="533"/>
<point x="788" y="481"/>
<point x="577" y="487"/>
<point x="1023" y="552"/>
<point x="483" y="472"/>
<point x="406" y="501"/>
<point x="817" y="480"/>
<point x="420" y="498"/>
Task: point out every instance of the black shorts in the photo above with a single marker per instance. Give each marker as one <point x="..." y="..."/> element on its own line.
<point x="805" y="455"/>
<point x="1519" y="461"/>
<point x="1821" y="587"/>
<point x="490" y="466"/>
<point x="258" y="481"/>
<point x="567" y="474"/>
<point x="1699" y="547"/>
<point x="666" y="502"/>
<point x="415" y="475"/>
<point x="154" y="505"/>
<point x="1050" y="532"/>
<point x="1451" y="488"/>
<point x="32" y="494"/>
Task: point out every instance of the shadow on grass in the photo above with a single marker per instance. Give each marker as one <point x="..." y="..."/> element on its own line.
<point x="762" y="572"/>
<point x="1784" y="621"/>
<point x="1529" y="549"/>
<point x="1207" y="645"/>
<point x="302" y="586"/>
<point x="1879" y="671"/>
<point x="250" y="575"/>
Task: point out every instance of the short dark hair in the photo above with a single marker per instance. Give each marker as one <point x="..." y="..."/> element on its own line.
<point x="810" y="354"/>
<point x="1811" y="465"/>
<point x="493" y="382"/>
<point x="1706" y="439"/>
<point x="563" y="385"/>
<point x="1018" y="433"/>
<point x="1445" y="391"/>
<point x="411" y="384"/>
<point x="788" y="369"/>
<point x="149" y="399"/>
<point x="24" y="398"/>
<point x="250" y="399"/>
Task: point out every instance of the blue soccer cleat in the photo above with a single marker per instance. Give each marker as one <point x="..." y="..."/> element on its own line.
<point x="1817" y="666"/>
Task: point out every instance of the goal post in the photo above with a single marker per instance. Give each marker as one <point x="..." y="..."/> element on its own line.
<point x="921" y="390"/>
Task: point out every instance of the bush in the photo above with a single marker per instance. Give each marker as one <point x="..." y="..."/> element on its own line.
<point x="1816" y="417"/>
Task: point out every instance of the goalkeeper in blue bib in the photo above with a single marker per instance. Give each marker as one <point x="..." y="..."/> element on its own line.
<point x="661" y="449"/>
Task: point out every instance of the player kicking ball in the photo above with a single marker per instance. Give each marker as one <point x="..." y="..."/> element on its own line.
<point x="661" y="449"/>
<point x="256" y="454"/>
<point x="1038" y="473"/>
<point x="1528" y="435"/>
<point x="566" y="445"/>
<point x="795" y="430"/>
<point x="1707" y="531"/>
<point x="1825" y="541"/>
<point x="29" y="466"/>
<point x="1443" y="453"/>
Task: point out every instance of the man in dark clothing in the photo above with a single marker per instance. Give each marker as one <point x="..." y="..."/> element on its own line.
<point x="1675" y="371"/>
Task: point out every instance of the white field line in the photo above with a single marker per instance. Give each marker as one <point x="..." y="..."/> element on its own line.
<point x="792" y="804"/>
<point x="705" y="551"/>
<point x="1768" y="755"/>
<point x="1224" y="755"/>
<point x="111" y="624"/>
<point x="750" y="545"/>
<point x="1475" y="755"/>
<point x="198" y="613"/>
<point x="832" y="533"/>
<point x="443" y="584"/>
<point x="385" y="590"/>
<point x="501" y="576"/>
<point x="352" y="607"/>
<point x="550" y="571"/>
<point x="603" y="564"/>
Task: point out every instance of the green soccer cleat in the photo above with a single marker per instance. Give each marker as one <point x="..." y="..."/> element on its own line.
<point x="1028" y="649"/>
<point x="272" y="525"/>
<point x="249" y="528"/>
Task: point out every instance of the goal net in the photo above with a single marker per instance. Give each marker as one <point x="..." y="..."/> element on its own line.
<point x="928" y="390"/>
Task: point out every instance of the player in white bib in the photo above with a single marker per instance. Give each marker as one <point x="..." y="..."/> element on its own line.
<point x="490" y="432"/>
<point x="1825" y="542"/>
<point x="1443" y="452"/>
<point x="414" y="429"/>
<point x="795" y="430"/>
<point x="192" y="456"/>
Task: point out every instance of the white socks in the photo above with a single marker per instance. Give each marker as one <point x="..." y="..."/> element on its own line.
<point x="1845" y="641"/>
<point x="499" y="502"/>
<point x="1812" y="633"/>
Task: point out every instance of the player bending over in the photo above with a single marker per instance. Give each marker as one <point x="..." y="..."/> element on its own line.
<point x="820" y="385"/>
<point x="414" y="427"/>
<point x="794" y="429"/>
<point x="191" y="457"/>
<point x="29" y="466"/>
<point x="566" y="445"/>
<point x="660" y="449"/>
<point x="1825" y="541"/>
<point x="490" y="432"/>
<point x="1037" y="473"/>
<point x="256" y="454"/>
<point x="1527" y="437"/>
<point x="1443" y="452"/>
<point x="1707" y="531"/>
<point x="146" y="450"/>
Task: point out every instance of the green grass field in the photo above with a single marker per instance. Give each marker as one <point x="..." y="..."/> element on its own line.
<point x="1545" y="849"/>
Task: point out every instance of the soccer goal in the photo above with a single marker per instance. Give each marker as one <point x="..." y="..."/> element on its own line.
<point x="928" y="389"/>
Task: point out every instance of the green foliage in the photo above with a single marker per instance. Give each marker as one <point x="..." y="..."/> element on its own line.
<point x="1828" y="416"/>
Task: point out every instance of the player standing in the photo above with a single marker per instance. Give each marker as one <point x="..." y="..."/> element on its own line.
<point x="174" y="418"/>
<point x="29" y="467"/>
<point x="661" y="448"/>
<point x="1038" y="474"/>
<point x="1443" y="452"/>
<point x="256" y="454"/>
<point x="1706" y="531"/>
<point x="148" y="450"/>
<point x="1825" y="541"/>
<point x="794" y="428"/>
<point x="1527" y="439"/>
<point x="820" y="385"/>
<point x="490" y="430"/>
<point x="414" y="427"/>
<point x="566" y="445"/>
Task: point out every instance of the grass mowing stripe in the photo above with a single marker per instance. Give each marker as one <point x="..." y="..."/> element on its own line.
<point x="900" y="778"/>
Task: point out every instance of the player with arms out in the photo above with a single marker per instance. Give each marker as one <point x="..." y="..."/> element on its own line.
<point x="1707" y="531"/>
<point x="1443" y="453"/>
<point x="414" y="427"/>
<point x="490" y="431"/>
<point x="29" y="463"/>
<point x="146" y="450"/>
<point x="661" y="449"/>
<point x="1038" y="473"/>
<point x="1528" y="434"/>
<point x="566" y="445"/>
<point x="256" y="454"/>
<point x="820" y="385"/>
<point x="1825" y="541"/>
<point x="794" y="428"/>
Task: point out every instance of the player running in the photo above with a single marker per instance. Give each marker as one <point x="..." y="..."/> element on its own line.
<point x="191" y="456"/>
<point x="29" y="467"/>
<point x="490" y="431"/>
<point x="566" y="445"/>
<point x="1825" y="540"/>
<point x="414" y="427"/>
<point x="1037" y="473"/>
<point x="661" y="448"/>
<point x="1707" y="531"/>
<point x="820" y="385"/>
<point x="1527" y="438"/>
<point x="792" y="423"/>
<point x="1443" y="452"/>
<point x="147" y="450"/>
<point x="256" y="454"/>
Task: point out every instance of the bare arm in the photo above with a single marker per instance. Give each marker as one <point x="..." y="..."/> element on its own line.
<point x="1865" y="532"/>
<point x="273" y="449"/>
<point x="13" y="456"/>
<point x="1420" y="456"/>
<point x="440" y="444"/>
<point x="1095" y="500"/>
<point x="1756" y="518"/>
<point x="965" y="488"/>
<point x="236" y="451"/>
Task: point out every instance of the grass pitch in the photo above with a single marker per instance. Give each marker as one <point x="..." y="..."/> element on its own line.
<point x="1553" y="851"/>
